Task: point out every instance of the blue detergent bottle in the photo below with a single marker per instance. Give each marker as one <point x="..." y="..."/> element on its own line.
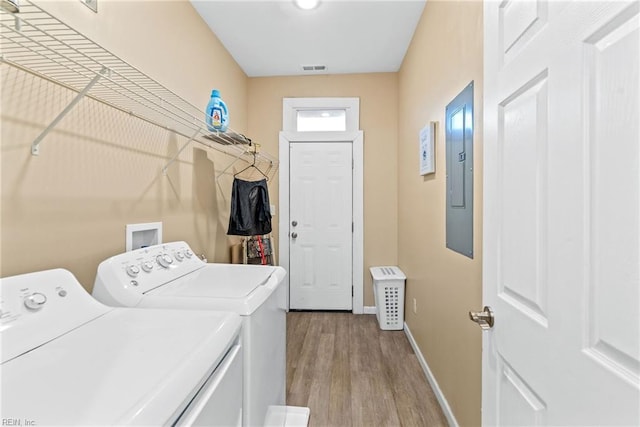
<point x="217" y="113"/>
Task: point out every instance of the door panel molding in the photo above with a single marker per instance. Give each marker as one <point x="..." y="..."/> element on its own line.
<point x="356" y="138"/>
<point x="561" y="213"/>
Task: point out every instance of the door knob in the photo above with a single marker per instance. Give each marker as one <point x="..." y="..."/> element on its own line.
<point x="294" y="234"/>
<point x="294" y="223"/>
<point x="483" y="318"/>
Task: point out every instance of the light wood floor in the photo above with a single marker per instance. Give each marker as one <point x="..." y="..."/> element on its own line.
<point x="351" y="373"/>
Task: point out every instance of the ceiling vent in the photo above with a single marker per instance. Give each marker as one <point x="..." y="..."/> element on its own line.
<point x="314" y="68"/>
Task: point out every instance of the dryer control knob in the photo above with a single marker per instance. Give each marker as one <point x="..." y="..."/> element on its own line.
<point x="147" y="266"/>
<point x="35" y="301"/>
<point x="164" y="260"/>
<point x="133" y="270"/>
<point x="179" y="256"/>
<point x="188" y="253"/>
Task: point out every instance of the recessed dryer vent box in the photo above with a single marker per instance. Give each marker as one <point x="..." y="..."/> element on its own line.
<point x="143" y="235"/>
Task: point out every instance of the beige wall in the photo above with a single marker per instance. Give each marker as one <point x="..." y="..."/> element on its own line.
<point x="378" y="95"/>
<point x="444" y="56"/>
<point x="100" y="169"/>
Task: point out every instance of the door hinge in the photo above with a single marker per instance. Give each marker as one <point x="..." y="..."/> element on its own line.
<point x="352" y="291"/>
<point x="353" y="227"/>
<point x="353" y="164"/>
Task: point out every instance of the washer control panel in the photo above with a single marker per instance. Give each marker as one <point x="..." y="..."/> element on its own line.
<point x="35" y="301"/>
<point x="29" y="296"/>
<point x="143" y="269"/>
<point x="37" y="307"/>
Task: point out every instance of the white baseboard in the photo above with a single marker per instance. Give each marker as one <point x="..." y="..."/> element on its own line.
<point x="370" y="310"/>
<point x="451" y="419"/>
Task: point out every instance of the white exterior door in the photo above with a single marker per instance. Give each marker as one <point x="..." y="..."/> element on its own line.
<point x="320" y="229"/>
<point x="561" y="213"/>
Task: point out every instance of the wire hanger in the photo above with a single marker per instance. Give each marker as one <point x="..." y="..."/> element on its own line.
<point x="253" y="165"/>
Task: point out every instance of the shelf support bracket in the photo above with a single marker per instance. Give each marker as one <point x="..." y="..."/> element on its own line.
<point x="35" y="145"/>
<point x="174" y="158"/>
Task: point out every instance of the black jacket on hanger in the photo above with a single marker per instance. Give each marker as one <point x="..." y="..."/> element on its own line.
<point x="250" y="209"/>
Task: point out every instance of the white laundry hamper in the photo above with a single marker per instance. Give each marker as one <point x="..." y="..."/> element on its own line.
<point x="388" y="290"/>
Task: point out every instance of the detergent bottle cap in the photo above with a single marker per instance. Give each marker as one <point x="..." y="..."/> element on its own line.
<point x="215" y="92"/>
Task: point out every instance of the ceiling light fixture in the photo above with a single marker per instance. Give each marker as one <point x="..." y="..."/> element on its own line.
<point x="307" y="4"/>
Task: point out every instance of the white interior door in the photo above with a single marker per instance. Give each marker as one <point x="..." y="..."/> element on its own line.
<point x="561" y="213"/>
<point x="320" y="229"/>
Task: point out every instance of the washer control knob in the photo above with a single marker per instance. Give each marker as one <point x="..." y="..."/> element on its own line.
<point x="147" y="266"/>
<point x="164" y="260"/>
<point x="35" y="301"/>
<point x="133" y="270"/>
<point x="179" y="256"/>
<point x="188" y="253"/>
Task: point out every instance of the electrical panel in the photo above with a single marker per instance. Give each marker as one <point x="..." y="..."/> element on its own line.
<point x="459" y="155"/>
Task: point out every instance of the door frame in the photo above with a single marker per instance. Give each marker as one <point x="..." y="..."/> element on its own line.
<point x="356" y="139"/>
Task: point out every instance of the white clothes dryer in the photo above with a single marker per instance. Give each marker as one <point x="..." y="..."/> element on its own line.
<point x="171" y="276"/>
<point x="70" y="360"/>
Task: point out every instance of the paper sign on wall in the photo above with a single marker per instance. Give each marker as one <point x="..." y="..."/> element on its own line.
<point x="427" y="149"/>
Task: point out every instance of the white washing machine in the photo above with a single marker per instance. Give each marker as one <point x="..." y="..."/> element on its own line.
<point x="69" y="360"/>
<point x="170" y="275"/>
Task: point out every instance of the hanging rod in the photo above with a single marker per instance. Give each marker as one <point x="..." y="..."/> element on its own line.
<point x="36" y="42"/>
<point x="231" y="139"/>
<point x="214" y="136"/>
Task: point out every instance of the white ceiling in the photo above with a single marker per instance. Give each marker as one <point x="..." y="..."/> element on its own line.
<point x="276" y="38"/>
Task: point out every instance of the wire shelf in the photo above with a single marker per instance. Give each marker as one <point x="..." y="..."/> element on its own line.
<point x="35" y="41"/>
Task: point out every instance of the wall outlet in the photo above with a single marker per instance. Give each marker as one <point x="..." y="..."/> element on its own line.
<point x="415" y="306"/>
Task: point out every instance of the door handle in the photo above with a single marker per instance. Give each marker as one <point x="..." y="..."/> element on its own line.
<point x="483" y="318"/>
<point x="294" y="235"/>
